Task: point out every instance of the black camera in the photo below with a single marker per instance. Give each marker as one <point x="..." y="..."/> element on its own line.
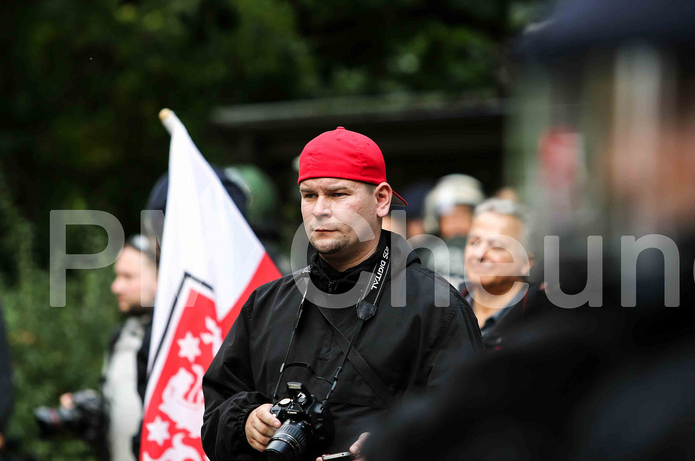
<point x="87" y="418"/>
<point x="306" y="421"/>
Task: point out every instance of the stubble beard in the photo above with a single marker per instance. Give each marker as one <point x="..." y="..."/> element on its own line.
<point x="329" y="247"/>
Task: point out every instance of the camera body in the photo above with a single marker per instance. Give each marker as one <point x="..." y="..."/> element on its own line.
<point x="306" y="421"/>
<point x="87" y="419"/>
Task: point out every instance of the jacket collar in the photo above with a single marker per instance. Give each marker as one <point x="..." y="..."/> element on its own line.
<point x="330" y="280"/>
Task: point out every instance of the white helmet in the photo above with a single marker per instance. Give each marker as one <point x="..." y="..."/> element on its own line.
<point x="450" y="190"/>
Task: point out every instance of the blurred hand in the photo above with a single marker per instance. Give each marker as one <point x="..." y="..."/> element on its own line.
<point x="357" y="447"/>
<point x="66" y="401"/>
<point x="260" y="426"/>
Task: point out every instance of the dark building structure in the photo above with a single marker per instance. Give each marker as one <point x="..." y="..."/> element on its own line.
<point x="423" y="137"/>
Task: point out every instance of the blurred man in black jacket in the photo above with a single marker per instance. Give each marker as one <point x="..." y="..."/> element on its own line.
<point x="609" y="376"/>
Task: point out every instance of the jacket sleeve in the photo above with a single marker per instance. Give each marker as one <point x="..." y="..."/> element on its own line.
<point x="230" y="395"/>
<point x="457" y="341"/>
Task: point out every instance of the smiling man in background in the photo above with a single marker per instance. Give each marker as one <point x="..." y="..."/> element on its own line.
<point x="498" y="262"/>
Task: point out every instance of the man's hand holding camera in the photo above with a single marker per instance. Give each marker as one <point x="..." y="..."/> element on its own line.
<point x="260" y="426"/>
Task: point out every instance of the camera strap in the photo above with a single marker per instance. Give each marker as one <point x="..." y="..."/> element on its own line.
<point x="366" y="309"/>
<point x="305" y="275"/>
<point x="360" y="363"/>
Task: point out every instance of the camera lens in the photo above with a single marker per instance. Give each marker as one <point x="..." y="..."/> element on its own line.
<point x="288" y="443"/>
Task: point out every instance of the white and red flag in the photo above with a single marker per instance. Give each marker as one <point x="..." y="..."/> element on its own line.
<point x="210" y="263"/>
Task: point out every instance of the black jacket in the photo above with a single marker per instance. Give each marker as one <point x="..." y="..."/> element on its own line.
<point x="409" y="347"/>
<point x="610" y="382"/>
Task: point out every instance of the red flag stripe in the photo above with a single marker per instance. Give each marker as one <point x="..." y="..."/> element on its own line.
<point x="265" y="272"/>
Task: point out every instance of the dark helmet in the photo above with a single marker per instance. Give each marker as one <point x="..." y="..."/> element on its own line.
<point x="158" y="199"/>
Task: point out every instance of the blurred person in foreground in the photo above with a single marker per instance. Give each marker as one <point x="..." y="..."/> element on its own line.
<point x="6" y="391"/>
<point x="10" y="448"/>
<point x="334" y="326"/>
<point x="125" y="364"/>
<point x="608" y="94"/>
<point x="498" y="262"/>
<point x="448" y="215"/>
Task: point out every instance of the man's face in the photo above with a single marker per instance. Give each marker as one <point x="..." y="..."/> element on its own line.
<point x="456" y="222"/>
<point x="487" y="250"/>
<point x="339" y="215"/>
<point x="135" y="285"/>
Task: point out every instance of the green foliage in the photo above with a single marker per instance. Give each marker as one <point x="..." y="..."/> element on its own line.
<point x="82" y="81"/>
<point x="54" y="349"/>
